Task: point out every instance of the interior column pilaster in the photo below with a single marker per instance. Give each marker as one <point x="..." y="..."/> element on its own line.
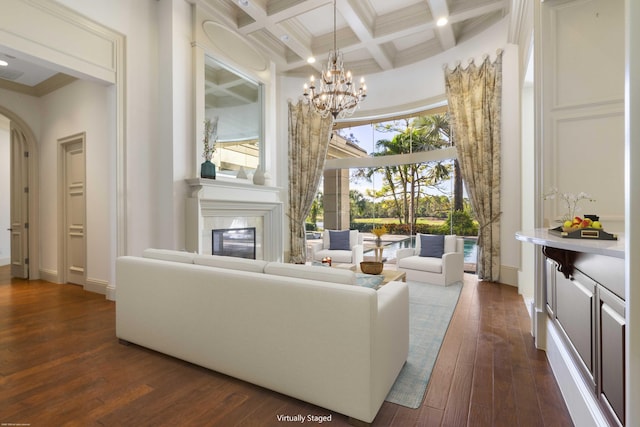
<point x="336" y="199"/>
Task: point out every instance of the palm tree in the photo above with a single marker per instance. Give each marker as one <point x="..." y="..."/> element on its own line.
<point x="437" y="127"/>
<point x="405" y="183"/>
<point x="357" y="204"/>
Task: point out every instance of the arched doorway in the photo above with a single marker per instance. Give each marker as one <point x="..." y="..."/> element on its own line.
<point x="24" y="191"/>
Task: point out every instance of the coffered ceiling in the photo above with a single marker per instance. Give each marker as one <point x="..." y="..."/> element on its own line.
<point x="374" y="35"/>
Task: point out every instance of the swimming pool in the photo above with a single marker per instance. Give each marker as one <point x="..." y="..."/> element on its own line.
<point x="389" y="251"/>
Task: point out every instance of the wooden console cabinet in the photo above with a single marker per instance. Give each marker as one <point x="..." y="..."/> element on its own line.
<point x="583" y="301"/>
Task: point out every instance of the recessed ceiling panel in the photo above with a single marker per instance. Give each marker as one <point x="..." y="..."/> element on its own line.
<point x="319" y="21"/>
<point x="383" y="7"/>
<point x="413" y="40"/>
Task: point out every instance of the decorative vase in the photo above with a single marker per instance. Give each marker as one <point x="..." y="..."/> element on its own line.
<point x="208" y="170"/>
<point x="378" y="241"/>
<point x="241" y="173"/>
<point x="258" y="176"/>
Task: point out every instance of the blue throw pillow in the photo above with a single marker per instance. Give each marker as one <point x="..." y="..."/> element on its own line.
<point x="339" y="240"/>
<point x="431" y="245"/>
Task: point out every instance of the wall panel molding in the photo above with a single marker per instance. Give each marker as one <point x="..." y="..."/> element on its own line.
<point x="53" y="34"/>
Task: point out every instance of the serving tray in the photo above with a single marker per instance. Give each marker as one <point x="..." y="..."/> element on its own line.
<point x="585" y="233"/>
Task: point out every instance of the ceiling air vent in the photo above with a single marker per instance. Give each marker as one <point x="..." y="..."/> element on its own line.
<point x="10" y="74"/>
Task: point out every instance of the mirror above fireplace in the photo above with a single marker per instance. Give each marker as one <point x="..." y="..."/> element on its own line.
<point x="236" y="101"/>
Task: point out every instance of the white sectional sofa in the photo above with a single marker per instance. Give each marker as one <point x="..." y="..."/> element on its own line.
<point x="335" y="345"/>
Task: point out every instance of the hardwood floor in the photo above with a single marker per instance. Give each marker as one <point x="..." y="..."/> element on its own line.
<point x="61" y="365"/>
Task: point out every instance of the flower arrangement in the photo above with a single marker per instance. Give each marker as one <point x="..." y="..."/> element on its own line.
<point x="571" y="200"/>
<point x="379" y="231"/>
<point x="210" y="137"/>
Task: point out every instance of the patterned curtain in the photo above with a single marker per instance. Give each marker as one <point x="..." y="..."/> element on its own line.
<point x="475" y="99"/>
<point x="309" y="136"/>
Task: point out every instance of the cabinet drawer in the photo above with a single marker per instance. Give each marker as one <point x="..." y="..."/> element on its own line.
<point x="612" y="352"/>
<point x="575" y="314"/>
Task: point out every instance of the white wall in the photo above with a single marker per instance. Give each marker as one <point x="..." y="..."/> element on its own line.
<point x="510" y="190"/>
<point x="137" y="21"/>
<point x="527" y="164"/>
<point x="25" y="106"/>
<point x="5" y="189"/>
<point x="82" y="106"/>
<point x="176" y="120"/>
<point x="583" y="126"/>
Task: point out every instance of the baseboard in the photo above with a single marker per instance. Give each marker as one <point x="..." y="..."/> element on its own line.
<point x="49" y="276"/>
<point x="578" y="395"/>
<point x="111" y="292"/>
<point x="92" y="285"/>
<point x="5" y="261"/>
<point x="509" y="275"/>
<point x="96" y="285"/>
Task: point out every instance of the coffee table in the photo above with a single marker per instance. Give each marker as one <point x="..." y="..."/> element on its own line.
<point x="393" y="275"/>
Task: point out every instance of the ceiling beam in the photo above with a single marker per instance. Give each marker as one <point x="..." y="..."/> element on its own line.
<point x="294" y="39"/>
<point x="440" y="9"/>
<point x="356" y="20"/>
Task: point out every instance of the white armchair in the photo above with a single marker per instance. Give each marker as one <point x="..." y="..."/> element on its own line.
<point x="444" y="270"/>
<point x="353" y="254"/>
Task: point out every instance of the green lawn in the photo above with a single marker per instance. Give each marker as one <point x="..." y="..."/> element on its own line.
<point x="395" y="221"/>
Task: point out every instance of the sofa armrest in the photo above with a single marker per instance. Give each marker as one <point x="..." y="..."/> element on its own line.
<point x="404" y="253"/>
<point x="392" y="336"/>
<point x="314" y="247"/>
<point x="357" y="254"/>
<point x="453" y="267"/>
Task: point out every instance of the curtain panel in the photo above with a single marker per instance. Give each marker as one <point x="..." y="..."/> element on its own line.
<point x="475" y="99"/>
<point x="309" y="136"/>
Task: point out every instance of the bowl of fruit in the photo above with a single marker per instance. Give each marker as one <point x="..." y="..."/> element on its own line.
<point x="579" y="223"/>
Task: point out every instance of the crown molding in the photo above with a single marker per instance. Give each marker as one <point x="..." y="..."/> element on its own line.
<point x="43" y="88"/>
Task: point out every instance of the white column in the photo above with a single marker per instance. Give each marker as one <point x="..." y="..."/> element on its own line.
<point x="632" y="207"/>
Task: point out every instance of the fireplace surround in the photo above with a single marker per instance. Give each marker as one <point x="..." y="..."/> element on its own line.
<point x="219" y="204"/>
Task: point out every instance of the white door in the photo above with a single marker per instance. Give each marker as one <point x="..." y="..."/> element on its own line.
<point x="19" y="205"/>
<point x="73" y="173"/>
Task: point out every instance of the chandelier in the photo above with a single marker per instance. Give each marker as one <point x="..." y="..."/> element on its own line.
<point x="336" y="94"/>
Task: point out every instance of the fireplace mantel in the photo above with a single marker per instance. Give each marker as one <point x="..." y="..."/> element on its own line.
<point x="216" y="203"/>
<point x="232" y="189"/>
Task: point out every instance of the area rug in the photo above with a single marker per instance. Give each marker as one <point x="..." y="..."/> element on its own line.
<point x="430" y="311"/>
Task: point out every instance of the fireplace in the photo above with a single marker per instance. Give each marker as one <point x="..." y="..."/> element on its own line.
<point x="221" y="205"/>
<point x="236" y="242"/>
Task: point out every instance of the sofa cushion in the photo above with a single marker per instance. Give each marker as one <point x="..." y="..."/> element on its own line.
<point x="430" y="264"/>
<point x="169" y="255"/>
<point x="353" y="238"/>
<point x="230" y="262"/>
<point x="431" y="245"/>
<point x="339" y="240"/>
<point x="300" y="271"/>
<point x="342" y="257"/>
